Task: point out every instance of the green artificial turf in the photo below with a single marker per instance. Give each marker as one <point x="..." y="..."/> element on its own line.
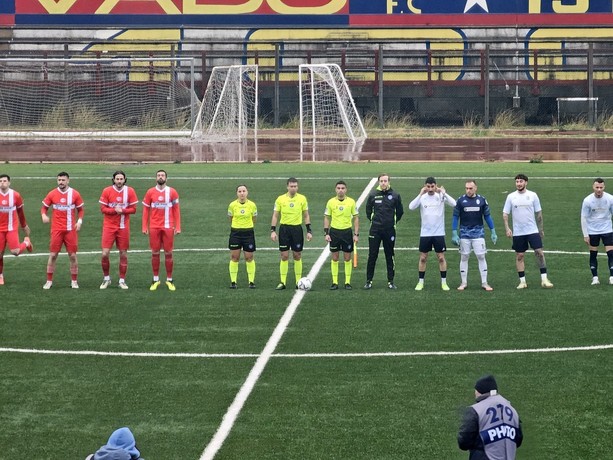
<point x="304" y="406"/>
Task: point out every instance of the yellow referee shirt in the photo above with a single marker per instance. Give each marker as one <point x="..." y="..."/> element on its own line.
<point x="341" y="212"/>
<point x="242" y="214"/>
<point x="291" y="209"/>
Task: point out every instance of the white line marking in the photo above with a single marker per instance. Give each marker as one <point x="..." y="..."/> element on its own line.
<point x="239" y="401"/>
<point x="387" y="354"/>
<point x="442" y="353"/>
<point x="276" y="249"/>
<point x="244" y="178"/>
<point x="36" y="351"/>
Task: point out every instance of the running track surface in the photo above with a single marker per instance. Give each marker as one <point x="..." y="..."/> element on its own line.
<point x="555" y="147"/>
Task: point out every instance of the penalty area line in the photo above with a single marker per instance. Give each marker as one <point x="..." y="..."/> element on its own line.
<point x="241" y="397"/>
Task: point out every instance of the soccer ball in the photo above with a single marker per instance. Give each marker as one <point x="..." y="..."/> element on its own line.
<point x="304" y="284"/>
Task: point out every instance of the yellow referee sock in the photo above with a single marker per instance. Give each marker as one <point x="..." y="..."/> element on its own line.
<point x="233" y="271"/>
<point x="334" y="270"/>
<point x="283" y="267"/>
<point x="348" y="269"/>
<point x="298" y="269"/>
<point x="251" y="270"/>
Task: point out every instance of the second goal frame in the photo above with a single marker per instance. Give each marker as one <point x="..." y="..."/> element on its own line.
<point x="592" y="109"/>
<point x="327" y="111"/>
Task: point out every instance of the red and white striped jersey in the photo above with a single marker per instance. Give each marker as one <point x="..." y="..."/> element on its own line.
<point x="112" y="198"/>
<point x="11" y="204"/>
<point x="65" y="206"/>
<point x="163" y="206"/>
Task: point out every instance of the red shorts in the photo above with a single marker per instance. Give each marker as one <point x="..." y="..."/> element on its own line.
<point x="161" y="238"/>
<point x="11" y="238"/>
<point x="64" y="237"/>
<point x="120" y="237"/>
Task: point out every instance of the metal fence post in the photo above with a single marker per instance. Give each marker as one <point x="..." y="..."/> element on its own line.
<point x="193" y="97"/>
<point x="380" y="77"/>
<point x="486" y="76"/>
<point x="276" y="109"/>
<point x="592" y="118"/>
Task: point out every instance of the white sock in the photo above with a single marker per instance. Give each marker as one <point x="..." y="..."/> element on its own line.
<point x="464" y="268"/>
<point x="482" y="268"/>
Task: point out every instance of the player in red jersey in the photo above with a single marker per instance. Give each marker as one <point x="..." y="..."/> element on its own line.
<point x="161" y="221"/>
<point x="117" y="202"/>
<point x="67" y="205"/>
<point x="11" y="213"/>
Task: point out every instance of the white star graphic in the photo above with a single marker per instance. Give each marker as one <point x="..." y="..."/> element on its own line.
<point x="471" y="3"/>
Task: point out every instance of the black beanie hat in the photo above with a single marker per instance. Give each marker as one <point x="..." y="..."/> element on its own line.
<point x="486" y="384"/>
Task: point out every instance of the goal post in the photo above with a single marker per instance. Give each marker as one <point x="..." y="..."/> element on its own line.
<point x="327" y="111"/>
<point x="229" y="108"/>
<point x="577" y="109"/>
<point x="98" y="96"/>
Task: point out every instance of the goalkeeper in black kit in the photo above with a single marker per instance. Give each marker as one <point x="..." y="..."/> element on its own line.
<point x="383" y="210"/>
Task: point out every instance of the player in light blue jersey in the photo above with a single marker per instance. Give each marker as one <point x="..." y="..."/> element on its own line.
<point x="596" y="226"/>
<point x="470" y="211"/>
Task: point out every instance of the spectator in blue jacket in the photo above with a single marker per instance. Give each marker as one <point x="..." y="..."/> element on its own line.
<point x="120" y="446"/>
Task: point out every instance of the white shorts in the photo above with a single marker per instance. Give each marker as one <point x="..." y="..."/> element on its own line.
<point x="476" y="244"/>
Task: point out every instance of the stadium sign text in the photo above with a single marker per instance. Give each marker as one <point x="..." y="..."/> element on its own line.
<point x="332" y="14"/>
<point x="192" y="6"/>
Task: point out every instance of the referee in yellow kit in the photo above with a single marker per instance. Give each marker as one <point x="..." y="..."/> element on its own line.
<point x="294" y="211"/>
<point x="242" y="213"/>
<point x="341" y="211"/>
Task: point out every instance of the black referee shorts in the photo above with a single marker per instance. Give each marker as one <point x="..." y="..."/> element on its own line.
<point x="291" y="237"/>
<point x="242" y="238"/>
<point x="341" y="240"/>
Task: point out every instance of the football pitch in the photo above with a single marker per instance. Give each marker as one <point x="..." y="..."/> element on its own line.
<point x="265" y="374"/>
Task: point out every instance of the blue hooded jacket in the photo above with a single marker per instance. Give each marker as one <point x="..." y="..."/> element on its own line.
<point x="111" y="453"/>
<point x="120" y="446"/>
<point x="124" y="438"/>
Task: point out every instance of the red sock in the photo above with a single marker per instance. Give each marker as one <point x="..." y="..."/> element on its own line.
<point x="49" y="275"/>
<point x="123" y="266"/>
<point x="155" y="264"/>
<point x="2" y="265"/>
<point x="74" y="272"/>
<point x="169" y="265"/>
<point x="106" y="266"/>
<point x="22" y="247"/>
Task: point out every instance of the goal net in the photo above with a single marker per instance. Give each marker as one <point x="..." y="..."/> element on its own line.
<point x="70" y="96"/>
<point x="327" y="111"/>
<point x="229" y="109"/>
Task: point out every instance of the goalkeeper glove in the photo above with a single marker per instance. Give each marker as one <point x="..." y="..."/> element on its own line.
<point x="494" y="236"/>
<point x="455" y="239"/>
